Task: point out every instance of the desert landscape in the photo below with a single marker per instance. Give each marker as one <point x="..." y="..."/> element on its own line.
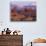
<point x="20" y="12"/>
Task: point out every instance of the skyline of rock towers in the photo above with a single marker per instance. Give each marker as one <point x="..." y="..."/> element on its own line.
<point x="11" y="40"/>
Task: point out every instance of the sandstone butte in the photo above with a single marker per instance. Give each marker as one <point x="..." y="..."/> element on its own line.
<point x="39" y="40"/>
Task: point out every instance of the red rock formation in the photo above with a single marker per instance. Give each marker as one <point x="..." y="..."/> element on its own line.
<point x="39" y="40"/>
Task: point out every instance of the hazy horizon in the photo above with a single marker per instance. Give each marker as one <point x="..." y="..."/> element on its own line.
<point x="21" y="4"/>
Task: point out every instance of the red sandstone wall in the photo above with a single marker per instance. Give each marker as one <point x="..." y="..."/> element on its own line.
<point x="11" y="40"/>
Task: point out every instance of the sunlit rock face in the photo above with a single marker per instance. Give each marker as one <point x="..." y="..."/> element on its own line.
<point x="39" y="40"/>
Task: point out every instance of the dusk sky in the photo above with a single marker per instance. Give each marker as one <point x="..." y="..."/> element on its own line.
<point x="22" y="3"/>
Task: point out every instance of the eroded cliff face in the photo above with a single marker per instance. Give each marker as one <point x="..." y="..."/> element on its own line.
<point x="39" y="40"/>
<point x="11" y="40"/>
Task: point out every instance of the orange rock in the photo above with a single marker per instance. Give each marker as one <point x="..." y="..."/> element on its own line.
<point x="39" y="40"/>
